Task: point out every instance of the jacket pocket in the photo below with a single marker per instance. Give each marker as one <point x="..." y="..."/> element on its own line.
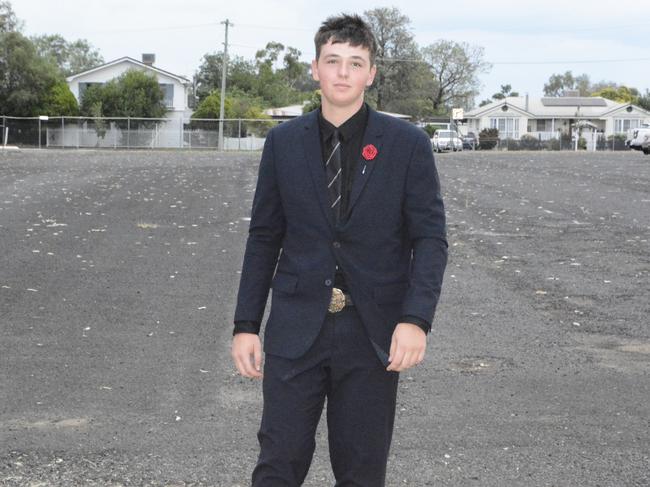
<point x="287" y="283"/>
<point x="390" y="293"/>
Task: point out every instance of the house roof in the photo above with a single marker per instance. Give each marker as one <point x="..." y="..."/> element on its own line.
<point x="558" y="107"/>
<point x="180" y="79"/>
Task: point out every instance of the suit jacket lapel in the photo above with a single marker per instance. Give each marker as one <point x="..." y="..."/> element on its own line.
<point x="372" y="135"/>
<point x="314" y="156"/>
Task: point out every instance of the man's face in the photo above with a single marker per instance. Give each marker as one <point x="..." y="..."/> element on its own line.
<point x="344" y="72"/>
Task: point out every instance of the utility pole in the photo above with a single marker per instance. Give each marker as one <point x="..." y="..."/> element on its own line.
<point x="223" y="85"/>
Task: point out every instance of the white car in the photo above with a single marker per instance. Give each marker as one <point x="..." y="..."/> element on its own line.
<point x="636" y="137"/>
<point x="645" y="145"/>
<point x="446" y="140"/>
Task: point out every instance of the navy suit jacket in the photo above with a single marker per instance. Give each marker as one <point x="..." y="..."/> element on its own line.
<point x="392" y="249"/>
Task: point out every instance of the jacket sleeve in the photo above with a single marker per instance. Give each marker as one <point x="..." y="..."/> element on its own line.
<point x="265" y="235"/>
<point x="425" y="223"/>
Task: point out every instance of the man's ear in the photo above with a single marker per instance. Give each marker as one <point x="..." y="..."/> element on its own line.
<point x="314" y="70"/>
<point x="373" y="72"/>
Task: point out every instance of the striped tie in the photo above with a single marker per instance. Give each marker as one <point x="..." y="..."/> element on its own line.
<point x="333" y="169"/>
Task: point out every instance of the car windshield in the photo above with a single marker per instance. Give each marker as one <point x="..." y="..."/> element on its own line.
<point x="444" y="133"/>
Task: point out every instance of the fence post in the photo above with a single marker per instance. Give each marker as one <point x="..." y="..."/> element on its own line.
<point x="180" y="145"/>
<point x="128" y="132"/>
<point x="239" y="136"/>
<point x="63" y="132"/>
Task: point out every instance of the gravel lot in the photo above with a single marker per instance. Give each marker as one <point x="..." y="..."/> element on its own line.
<point x="118" y="275"/>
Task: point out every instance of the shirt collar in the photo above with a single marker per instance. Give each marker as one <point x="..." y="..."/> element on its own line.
<point x="348" y="129"/>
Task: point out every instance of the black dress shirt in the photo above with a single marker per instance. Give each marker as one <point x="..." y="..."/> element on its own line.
<point x="351" y="136"/>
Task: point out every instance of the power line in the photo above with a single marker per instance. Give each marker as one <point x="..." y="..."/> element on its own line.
<point x="154" y="29"/>
<point x="579" y="61"/>
<point x="271" y="27"/>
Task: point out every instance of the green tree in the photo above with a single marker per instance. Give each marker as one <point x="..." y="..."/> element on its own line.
<point x="313" y="102"/>
<point x="60" y="101"/>
<point x="26" y="79"/>
<point x="237" y="105"/>
<point x="455" y="68"/>
<point x="621" y="94"/>
<point x="133" y="94"/>
<point x="296" y="73"/>
<point x="558" y="83"/>
<point x="241" y="74"/>
<point x="398" y="58"/>
<point x="8" y="20"/>
<point x="272" y="84"/>
<point x="506" y="90"/>
<point x="644" y="100"/>
<point x="70" y="57"/>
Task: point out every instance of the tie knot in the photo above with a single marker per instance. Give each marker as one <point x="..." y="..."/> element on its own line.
<point x="336" y="137"/>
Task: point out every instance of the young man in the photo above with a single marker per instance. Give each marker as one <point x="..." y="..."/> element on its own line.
<point x="348" y="208"/>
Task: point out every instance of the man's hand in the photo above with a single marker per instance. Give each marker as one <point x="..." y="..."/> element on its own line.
<point x="247" y="354"/>
<point x="407" y="347"/>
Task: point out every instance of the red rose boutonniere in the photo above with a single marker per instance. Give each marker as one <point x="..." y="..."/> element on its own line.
<point x="369" y="152"/>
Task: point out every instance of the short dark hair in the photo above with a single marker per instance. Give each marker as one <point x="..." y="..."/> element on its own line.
<point x="346" y="28"/>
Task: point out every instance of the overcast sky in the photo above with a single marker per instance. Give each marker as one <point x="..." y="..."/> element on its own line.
<point x="526" y="43"/>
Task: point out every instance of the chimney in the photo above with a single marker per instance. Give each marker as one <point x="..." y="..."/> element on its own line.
<point x="526" y="101"/>
<point x="148" y="59"/>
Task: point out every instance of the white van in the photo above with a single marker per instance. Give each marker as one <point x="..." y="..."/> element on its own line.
<point x="636" y="137"/>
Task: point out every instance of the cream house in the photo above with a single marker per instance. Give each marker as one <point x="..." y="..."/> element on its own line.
<point x="175" y="87"/>
<point x="166" y="133"/>
<point x="550" y="117"/>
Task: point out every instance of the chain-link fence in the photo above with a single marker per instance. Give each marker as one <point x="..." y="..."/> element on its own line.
<point x="134" y="133"/>
<point x="238" y="135"/>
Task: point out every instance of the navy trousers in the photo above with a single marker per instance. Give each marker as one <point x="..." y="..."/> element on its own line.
<point x="342" y="368"/>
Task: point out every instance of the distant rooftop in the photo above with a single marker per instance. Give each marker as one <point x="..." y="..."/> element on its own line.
<point x="573" y="101"/>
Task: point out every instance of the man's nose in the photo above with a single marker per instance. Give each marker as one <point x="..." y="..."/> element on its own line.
<point x="344" y="70"/>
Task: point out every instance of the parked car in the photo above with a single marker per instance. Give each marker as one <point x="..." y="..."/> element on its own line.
<point x="446" y="140"/>
<point x="645" y="145"/>
<point x="470" y="141"/>
<point x="637" y="136"/>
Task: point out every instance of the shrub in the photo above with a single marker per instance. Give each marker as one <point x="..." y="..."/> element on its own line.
<point x="60" y="101"/>
<point x="488" y="139"/>
<point x="551" y="144"/>
<point x="616" y="142"/>
<point x="509" y="144"/>
<point x="529" y="142"/>
<point x="430" y="130"/>
<point x="582" y="143"/>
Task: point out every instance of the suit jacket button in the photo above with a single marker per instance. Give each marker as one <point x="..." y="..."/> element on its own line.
<point x="328" y="282"/>
<point x="337" y="245"/>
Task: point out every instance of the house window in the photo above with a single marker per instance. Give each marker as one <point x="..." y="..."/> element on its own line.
<point x="508" y="127"/>
<point x="168" y="90"/>
<point x="622" y="125"/>
<point x="541" y="125"/>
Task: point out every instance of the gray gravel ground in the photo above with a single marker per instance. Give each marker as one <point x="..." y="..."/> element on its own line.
<point x="118" y="275"/>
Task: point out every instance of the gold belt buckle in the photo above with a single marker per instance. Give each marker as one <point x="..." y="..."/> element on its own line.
<point x="337" y="302"/>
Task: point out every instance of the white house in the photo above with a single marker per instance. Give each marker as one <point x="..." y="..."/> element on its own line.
<point x="176" y="87"/>
<point x="549" y="117"/>
<point x="167" y="134"/>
